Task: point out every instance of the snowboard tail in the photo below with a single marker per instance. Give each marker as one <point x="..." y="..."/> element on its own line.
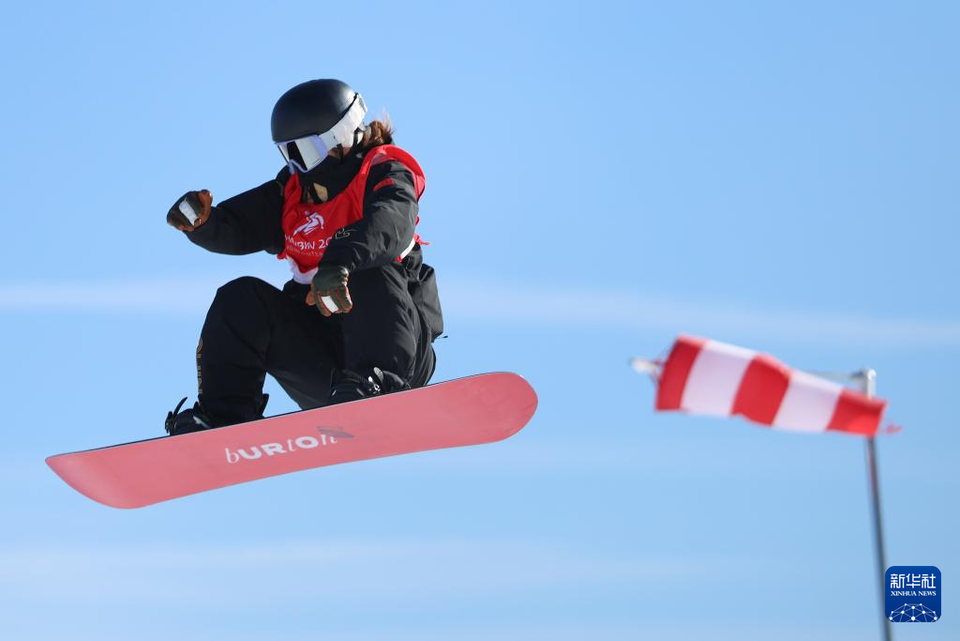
<point x="467" y="411"/>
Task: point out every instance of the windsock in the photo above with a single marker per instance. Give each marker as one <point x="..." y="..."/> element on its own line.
<point x="702" y="376"/>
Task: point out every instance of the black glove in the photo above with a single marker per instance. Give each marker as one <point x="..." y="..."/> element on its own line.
<point x="191" y="210"/>
<point x="329" y="291"/>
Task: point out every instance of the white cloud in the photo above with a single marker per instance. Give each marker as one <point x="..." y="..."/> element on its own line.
<point x="629" y="310"/>
<point x="478" y="629"/>
<point x="408" y="570"/>
<point x="493" y="302"/>
<point x="169" y="296"/>
<point x="344" y="587"/>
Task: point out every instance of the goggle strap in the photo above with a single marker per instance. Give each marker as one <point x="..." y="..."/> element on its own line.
<point x="344" y="132"/>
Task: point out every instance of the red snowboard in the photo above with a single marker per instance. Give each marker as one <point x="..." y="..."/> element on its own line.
<point x="467" y="411"/>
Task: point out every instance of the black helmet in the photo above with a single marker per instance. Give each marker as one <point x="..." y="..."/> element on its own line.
<point x="329" y="108"/>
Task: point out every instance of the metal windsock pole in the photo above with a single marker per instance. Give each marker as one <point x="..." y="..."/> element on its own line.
<point x="868" y="379"/>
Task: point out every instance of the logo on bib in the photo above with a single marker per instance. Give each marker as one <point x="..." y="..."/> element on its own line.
<point x="313" y="221"/>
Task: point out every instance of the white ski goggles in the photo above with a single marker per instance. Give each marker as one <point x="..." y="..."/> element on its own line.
<point x="306" y="153"/>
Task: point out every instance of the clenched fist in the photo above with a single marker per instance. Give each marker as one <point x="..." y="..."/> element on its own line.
<point x="329" y="291"/>
<point x="191" y="210"/>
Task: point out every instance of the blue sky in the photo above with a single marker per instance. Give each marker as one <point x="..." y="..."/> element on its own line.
<point x="600" y="177"/>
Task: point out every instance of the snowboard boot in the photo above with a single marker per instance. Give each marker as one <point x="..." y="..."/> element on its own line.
<point x="197" y="420"/>
<point x="347" y="386"/>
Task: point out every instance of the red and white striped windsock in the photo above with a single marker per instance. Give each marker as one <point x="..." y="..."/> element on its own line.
<point x="703" y="376"/>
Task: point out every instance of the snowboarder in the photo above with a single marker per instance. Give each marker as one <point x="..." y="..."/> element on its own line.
<point x="362" y="310"/>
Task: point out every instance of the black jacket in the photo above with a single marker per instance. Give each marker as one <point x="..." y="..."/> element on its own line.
<point x="252" y="222"/>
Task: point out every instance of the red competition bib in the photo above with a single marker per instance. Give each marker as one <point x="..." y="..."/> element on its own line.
<point x="308" y="228"/>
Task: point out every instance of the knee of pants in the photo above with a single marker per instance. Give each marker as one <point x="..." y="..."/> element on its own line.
<point x="238" y="292"/>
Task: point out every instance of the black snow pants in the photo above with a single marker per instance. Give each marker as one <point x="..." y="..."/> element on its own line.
<point x="253" y="329"/>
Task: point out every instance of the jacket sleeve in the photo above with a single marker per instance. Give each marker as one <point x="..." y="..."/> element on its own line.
<point x="387" y="228"/>
<point x="247" y="223"/>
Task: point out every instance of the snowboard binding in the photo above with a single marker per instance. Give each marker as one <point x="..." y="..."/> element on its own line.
<point x="187" y="421"/>
<point x="197" y="419"/>
<point x="347" y="386"/>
